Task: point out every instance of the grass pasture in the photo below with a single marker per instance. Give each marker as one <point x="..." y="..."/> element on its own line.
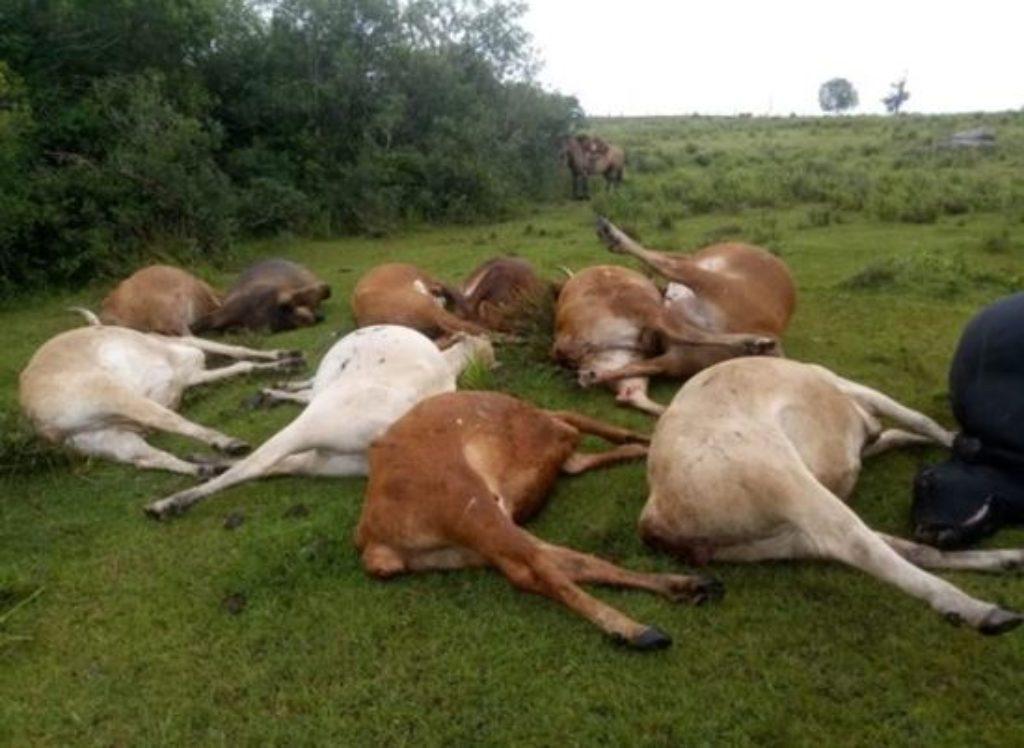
<point x="115" y="630"/>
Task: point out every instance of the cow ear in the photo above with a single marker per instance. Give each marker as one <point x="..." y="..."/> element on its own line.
<point x="285" y="299"/>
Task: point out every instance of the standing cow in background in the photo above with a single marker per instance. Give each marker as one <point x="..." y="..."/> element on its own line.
<point x="587" y="156"/>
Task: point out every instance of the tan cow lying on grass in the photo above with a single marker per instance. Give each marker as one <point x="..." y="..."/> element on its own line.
<point x="161" y="299"/>
<point x="451" y="481"/>
<point x="397" y="293"/>
<point x="610" y="320"/>
<point x="367" y="380"/>
<point x="753" y="462"/>
<point x="98" y="389"/>
<point x="722" y="290"/>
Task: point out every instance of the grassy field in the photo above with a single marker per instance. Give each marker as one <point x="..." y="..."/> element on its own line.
<point x="117" y="630"/>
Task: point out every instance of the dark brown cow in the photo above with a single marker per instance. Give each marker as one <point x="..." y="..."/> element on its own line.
<point x="401" y="294"/>
<point x="587" y="156"/>
<point x="453" y="478"/>
<point x="161" y="299"/>
<point x="273" y="295"/>
<point x="498" y="291"/>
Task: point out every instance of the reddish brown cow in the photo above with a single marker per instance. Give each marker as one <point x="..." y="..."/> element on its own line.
<point x="401" y="294"/>
<point x="160" y="299"/>
<point x="498" y="291"/>
<point x="453" y="478"/>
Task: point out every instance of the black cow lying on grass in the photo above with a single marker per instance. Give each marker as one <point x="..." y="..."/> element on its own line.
<point x="981" y="487"/>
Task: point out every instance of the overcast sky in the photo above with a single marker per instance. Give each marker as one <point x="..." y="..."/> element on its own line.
<point x="725" y="57"/>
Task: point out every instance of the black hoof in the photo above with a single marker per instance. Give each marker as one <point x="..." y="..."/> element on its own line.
<point x="211" y="470"/>
<point x="236" y="447"/>
<point x="256" y="401"/>
<point x="999" y="621"/>
<point x="650" y="639"/>
<point x="708" y="590"/>
<point x="293" y="353"/>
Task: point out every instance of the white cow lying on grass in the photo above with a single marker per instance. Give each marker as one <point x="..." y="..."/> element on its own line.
<point x="754" y="459"/>
<point x="97" y="389"/>
<point x="367" y="381"/>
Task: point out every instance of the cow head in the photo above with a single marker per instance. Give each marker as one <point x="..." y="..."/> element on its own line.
<point x="958" y="503"/>
<point x="298" y="307"/>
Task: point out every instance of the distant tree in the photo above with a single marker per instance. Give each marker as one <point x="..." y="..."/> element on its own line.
<point x="837" y="95"/>
<point x="897" y="96"/>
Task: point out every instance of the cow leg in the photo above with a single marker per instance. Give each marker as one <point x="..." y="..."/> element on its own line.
<point x="152" y="415"/>
<point x="583" y="568"/>
<point x="206" y="376"/>
<point x="290" y="440"/>
<point x="322" y="463"/>
<point x="927" y="557"/>
<point x="633" y="391"/>
<point x="619" y="242"/>
<point x="650" y="367"/>
<point x="884" y="406"/>
<point x="483" y="528"/>
<point x="833" y="531"/>
<point x="683" y="333"/>
<point x="606" y="431"/>
<point x="285" y="396"/>
<point x="297" y="385"/>
<point x="580" y="462"/>
<point x="893" y="439"/>
<point x="234" y="351"/>
<point x="449" y="324"/>
<point x="128" y="447"/>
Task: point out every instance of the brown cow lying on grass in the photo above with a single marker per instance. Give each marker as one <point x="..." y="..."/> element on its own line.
<point x="271" y="295"/>
<point x="451" y="481"/>
<point x="754" y="459"/>
<point x="723" y="290"/>
<point x="397" y="293"/>
<point x="610" y="321"/>
<point x="160" y="299"/>
<point x="98" y="389"/>
<point x="498" y="292"/>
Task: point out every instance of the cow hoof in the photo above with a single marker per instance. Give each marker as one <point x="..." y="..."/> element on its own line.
<point x="210" y="470"/>
<point x="256" y="401"/>
<point x="759" y="346"/>
<point x="999" y="621"/>
<point x="283" y="354"/>
<point x="157" y="512"/>
<point x="234" y="447"/>
<point x="650" y="639"/>
<point x="587" y="378"/>
<point x="708" y="589"/>
<point x="291" y="364"/>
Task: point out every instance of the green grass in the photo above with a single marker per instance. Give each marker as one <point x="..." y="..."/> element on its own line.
<point x="129" y="641"/>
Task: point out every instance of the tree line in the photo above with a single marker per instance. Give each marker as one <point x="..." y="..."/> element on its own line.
<point x="134" y="127"/>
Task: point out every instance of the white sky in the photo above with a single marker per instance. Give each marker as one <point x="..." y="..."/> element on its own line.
<point x="729" y="56"/>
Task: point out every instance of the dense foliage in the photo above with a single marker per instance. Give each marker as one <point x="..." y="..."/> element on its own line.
<point x="174" y="125"/>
